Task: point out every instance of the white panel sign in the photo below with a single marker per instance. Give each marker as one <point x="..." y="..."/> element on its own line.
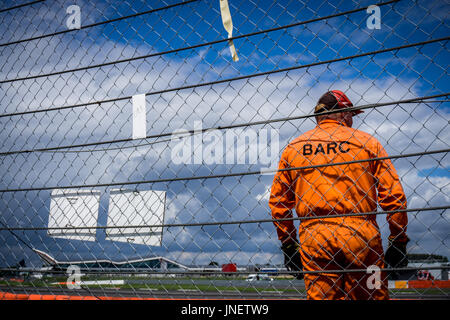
<point x="72" y="208"/>
<point x="136" y="208"/>
<point x="139" y="117"/>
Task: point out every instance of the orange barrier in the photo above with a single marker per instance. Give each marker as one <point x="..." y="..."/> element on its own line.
<point x="420" y="284"/>
<point x="22" y="296"/>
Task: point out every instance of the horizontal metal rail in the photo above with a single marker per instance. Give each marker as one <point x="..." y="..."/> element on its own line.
<point x="233" y="174"/>
<point x="20" y="6"/>
<point x="233" y="126"/>
<point x="189" y="47"/>
<point x="95" y="24"/>
<point x="202" y="224"/>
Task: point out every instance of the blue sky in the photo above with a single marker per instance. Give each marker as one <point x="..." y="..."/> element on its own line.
<point x="402" y="74"/>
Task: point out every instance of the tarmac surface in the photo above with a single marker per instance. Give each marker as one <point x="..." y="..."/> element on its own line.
<point x="231" y="294"/>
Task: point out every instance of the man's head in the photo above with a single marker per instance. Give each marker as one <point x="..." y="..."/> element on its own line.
<point x="335" y="100"/>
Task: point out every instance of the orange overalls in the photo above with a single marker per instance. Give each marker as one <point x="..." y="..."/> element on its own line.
<point x="338" y="243"/>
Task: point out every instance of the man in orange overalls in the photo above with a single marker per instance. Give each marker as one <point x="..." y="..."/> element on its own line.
<point x="331" y="246"/>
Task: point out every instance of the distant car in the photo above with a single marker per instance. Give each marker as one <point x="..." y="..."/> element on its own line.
<point x="258" y="277"/>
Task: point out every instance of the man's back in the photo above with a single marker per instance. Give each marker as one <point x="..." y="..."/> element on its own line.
<point x="331" y="189"/>
<point x="344" y="188"/>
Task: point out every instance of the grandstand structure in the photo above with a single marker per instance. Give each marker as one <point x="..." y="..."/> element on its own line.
<point x="153" y="263"/>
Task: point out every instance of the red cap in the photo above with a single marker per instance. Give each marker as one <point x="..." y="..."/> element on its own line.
<point x="333" y="100"/>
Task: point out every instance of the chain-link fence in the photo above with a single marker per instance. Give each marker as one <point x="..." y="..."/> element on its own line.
<point x="140" y="139"/>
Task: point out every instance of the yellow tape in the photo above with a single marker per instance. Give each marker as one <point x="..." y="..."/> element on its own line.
<point x="228" y="25"/>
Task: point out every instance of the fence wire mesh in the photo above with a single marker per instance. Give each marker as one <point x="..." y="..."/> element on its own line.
<point x="136" y="153"/>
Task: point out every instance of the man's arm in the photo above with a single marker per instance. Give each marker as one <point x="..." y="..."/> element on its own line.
<point x="282" y="201"/>
<point x="391" y="196"/>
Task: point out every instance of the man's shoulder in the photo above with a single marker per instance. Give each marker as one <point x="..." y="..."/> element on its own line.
<point x="301" y="138"/>
<point x="342" y="131"/>
<point x="346" y="133"/>
<point x="365" y="135"/>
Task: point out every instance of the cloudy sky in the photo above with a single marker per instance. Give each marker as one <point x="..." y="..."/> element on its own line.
<point x="395" y="75"/>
